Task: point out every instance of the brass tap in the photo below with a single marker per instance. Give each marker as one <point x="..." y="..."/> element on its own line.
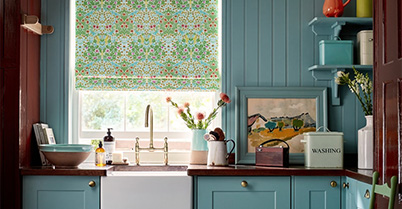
<point x="151" y="148"/>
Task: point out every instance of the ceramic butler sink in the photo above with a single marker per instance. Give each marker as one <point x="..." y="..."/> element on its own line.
<point x="66" y="155"/>
<point x="147" y="187"/>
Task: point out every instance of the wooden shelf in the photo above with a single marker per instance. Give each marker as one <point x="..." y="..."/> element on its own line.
<point x="31" y="22"/>
<point x="328" y="73"/>
<point x="333" y="25"/>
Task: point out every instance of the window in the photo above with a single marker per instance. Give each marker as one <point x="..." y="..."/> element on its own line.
<point x="125" y="113"/>
<point x="123" y="49"/>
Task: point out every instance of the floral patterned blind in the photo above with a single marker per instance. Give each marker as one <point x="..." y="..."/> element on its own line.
<point x="147" y="45"/>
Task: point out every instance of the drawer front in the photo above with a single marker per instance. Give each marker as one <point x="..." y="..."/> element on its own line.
<point x="243" y="192"/>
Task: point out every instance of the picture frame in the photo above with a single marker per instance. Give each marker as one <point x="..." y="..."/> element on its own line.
<point x="274" y="95"/>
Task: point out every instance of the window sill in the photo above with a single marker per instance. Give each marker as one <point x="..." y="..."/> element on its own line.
<point x="174" y="157"/>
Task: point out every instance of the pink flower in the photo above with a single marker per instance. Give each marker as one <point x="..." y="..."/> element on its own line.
<point x="180" y="110"/>
<point x="200" y="116"/>
<point x="186" y="104"/>
<point x="168" y="99"/>
<point x="225" y="98"/>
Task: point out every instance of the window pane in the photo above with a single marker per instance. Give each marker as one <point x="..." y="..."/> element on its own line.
<point x="199" y="102"/>
<point x="136" y="106"/>
<point x="101" y="110"/>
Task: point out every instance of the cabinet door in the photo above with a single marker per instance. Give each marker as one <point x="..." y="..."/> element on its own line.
<point x="61" y="192"/>
<point x="316" y="192"/>
<point x="254" y="192"/>
<point x="363" y="192"/>
<point x="350" y="193"/>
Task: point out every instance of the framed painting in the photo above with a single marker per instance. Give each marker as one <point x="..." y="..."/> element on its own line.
<point x="264" y="113"/>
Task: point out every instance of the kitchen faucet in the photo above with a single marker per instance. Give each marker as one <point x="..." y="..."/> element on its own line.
<point x="149" y="121"/>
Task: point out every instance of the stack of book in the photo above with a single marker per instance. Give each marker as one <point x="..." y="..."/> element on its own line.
<point x="43" y="135"/>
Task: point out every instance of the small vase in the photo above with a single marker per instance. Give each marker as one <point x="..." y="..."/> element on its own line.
<point x="365" y="145"/>
<point x="364" y="8"/>
<point x="199" y="148"/>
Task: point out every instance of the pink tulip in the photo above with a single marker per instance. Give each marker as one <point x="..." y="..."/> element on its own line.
<point x="168" y="99"/>
<point x="225" y="98"/>
<point x="180" y="110"/>
<point x="186" y="104"/>
<point x="200" y="116"/>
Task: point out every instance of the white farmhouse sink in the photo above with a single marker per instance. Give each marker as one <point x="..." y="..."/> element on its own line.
<point x="146" y="190"/>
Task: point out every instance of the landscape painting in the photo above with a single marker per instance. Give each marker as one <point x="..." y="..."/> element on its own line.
<point x="280" y="118"/>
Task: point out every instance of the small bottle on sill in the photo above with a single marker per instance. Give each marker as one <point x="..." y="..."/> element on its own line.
<point x="100" y="156"/>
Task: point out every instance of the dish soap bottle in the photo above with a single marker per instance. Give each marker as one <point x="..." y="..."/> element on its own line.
<point x="100" y="159"/>
<point x="110" y="146"/>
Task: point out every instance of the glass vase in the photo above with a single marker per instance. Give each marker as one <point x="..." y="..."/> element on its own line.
<point x="365" y="145"/>
<point x="199" y="147"/>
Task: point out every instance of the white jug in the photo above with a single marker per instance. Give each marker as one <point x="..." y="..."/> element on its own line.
<point x="217" y="152"/>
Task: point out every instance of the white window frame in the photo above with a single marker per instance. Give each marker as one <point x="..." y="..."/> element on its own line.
<point x="73" y="97"/>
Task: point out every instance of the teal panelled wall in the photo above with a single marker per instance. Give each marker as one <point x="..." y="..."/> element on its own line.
<point x="268" y="43"/>
<point x="54" y="68"/>
<point x="265" y="43"/>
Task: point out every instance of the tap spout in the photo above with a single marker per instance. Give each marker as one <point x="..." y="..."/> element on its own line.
<point x="149" y="121"/>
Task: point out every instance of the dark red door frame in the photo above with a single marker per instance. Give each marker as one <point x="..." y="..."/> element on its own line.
<point x="19" y="96"/>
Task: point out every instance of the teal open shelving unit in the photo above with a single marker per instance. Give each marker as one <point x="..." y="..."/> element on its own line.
<point x="331" y="27"/>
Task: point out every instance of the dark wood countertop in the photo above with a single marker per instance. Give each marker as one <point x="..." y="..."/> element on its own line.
<point x="88" y="169"/>
<point x="85" y="169"/>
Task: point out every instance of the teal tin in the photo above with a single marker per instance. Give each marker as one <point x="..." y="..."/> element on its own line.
<point x="336" y="52"/>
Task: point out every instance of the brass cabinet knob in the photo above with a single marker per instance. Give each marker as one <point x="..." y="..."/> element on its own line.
<point x="345" y="185"/>
<point x="367" y="194"/>
<point x="333" y="184"/>
<point x="91" y="184"/>
<point x="244" y="183"/>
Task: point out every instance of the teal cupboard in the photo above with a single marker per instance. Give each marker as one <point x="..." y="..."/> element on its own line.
<point x="242" y="192"/>
<point x="61" y="192"/>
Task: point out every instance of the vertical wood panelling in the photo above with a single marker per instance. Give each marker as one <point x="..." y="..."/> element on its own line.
<point x="293" y="38"/>
<point x="54" y="68"/>
<point x="279" y="42"/>
<point x="265" y="43"/>
<point x="251" y="43"/>
<point x="307" y="41"/>
<point x="273" y="37"/>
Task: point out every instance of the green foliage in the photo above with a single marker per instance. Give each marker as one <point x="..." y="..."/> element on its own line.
<point x="270" y="126"/>
<point x="258" y="130"/>
<point x="297" y="124"/>
<point x="280" y="125"/>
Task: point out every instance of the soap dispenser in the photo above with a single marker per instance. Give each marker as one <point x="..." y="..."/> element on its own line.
<point x="110" y="146"/>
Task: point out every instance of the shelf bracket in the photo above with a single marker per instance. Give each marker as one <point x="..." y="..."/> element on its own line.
<point x="337" y="27"/>
<point x="329" y="75"/>
<point x="31" y="22"/>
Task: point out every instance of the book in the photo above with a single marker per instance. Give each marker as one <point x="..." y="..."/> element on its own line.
<point x="40" y="139"/>
<point x="49" y="136"/>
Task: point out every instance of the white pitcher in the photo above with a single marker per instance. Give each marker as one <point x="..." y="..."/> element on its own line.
<point x="217" y="152"/>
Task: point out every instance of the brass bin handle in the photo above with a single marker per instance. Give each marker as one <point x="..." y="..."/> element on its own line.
<point x="345" y="185"/>
<point x="91" y="184"/>
<point x="244" y="184"/>
<point x="333" y="184"/>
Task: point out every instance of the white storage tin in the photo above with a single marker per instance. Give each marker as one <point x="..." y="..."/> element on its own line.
<point x="365" y="47"/>
<point x="323" y="149"/>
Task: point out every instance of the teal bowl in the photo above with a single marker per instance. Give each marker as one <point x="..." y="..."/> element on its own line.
<point x="66" y="155"/>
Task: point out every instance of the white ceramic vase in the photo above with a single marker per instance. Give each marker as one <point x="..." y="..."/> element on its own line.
<point x="365" y="145"/>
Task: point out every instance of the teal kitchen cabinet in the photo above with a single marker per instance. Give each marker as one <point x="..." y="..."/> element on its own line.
<point x="349" y="193"/>
<point x="356" y="194"/>
<point x="316" y="192"/>
<point x="61" y="192"/>
<point x="239" y="192"/>
<point x="363" y="192"/>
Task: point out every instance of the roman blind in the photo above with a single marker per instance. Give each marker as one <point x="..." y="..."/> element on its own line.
<point x="147" y="45"/>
